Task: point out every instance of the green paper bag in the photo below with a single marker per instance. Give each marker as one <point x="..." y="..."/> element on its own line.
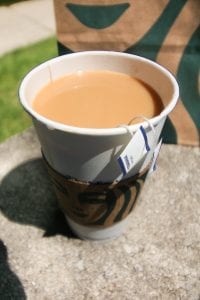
<point x="167" y="31"/>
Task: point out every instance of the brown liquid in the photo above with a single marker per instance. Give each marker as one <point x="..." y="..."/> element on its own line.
<point x="97" y="99"/>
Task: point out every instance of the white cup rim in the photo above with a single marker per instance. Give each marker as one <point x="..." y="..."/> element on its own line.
<point x="98" y="131"/>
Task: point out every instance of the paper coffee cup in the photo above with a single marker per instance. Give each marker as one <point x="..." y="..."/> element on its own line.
<point x="90" y="155"/>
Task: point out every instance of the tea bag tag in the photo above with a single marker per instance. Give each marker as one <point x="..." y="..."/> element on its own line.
<point x="155" y="157"/>
<point x="134" y="151"/>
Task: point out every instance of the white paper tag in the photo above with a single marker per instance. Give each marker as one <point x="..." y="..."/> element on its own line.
<point x="155" y="157"/>
<point x="136" y="148"/>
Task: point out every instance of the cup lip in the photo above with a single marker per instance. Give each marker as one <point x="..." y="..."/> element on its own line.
<point x="53" y="125"/>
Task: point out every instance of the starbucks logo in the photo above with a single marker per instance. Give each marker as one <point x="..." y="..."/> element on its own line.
<point x="165" y="31"/>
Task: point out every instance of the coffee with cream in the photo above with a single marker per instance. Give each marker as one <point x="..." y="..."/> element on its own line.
<point x="97" y="99"/>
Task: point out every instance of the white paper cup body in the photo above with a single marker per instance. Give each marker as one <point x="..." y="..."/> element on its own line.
<point x="90" y="154"/>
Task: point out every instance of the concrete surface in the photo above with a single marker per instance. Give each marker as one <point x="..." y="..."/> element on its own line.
<point x="158" y="257"/>
<point x="24" y="23"/>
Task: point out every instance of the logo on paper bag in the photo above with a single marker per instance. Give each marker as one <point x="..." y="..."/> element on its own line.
<point x="154" y="29"/>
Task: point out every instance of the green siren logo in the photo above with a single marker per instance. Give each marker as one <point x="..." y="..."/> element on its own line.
<point x="97" y="16"/>
<point x="165" y="31"/>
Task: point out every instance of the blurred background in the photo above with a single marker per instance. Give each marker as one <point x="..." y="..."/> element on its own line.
<point x="27" y="38"/>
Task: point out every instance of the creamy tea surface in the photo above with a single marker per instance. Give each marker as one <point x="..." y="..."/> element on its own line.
<point x="97" y="99"/>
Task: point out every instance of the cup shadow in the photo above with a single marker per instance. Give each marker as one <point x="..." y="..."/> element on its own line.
<point x="27" y="197"/>
<point x="10" y="285"/>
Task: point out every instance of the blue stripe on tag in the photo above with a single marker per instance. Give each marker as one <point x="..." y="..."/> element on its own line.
<point x="145" y="138"/>
<point x="121" y="164"/>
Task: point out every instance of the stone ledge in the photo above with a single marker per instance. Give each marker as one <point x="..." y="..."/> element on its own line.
<point x="156" y="258"/>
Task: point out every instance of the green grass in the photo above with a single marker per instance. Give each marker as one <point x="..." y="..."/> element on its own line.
<point x="13" y="67"/>
<point x="9" y="2"/>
